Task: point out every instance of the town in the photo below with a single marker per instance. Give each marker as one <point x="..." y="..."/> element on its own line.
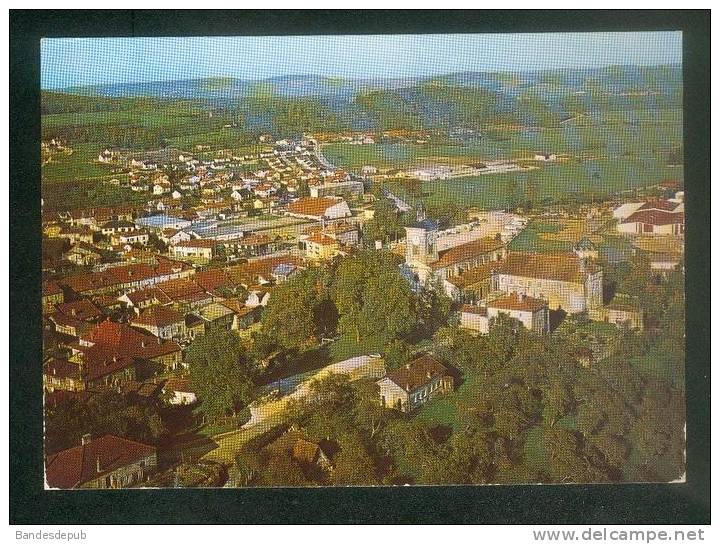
<point x="291" y="311"/>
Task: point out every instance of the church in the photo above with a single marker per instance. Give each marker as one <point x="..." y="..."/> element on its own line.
<point x="482" y="269"/>
<point x="430" y="260"/>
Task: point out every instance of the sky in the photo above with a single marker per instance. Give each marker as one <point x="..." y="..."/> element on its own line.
<point x="67" y="62"/>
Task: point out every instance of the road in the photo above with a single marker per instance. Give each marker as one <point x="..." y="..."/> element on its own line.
<point x="269" y="414"/>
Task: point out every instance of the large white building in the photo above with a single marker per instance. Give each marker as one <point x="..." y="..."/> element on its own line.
<point x="564" y="280"/>
<point x="654" y="217"/>
<point x="531" y="312"/>
<point x="320" y="208"/>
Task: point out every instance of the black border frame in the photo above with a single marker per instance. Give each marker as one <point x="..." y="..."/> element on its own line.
<point x="687" y="503"/>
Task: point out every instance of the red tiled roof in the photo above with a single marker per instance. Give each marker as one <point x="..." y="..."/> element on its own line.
<point x="81" y="309"/>
<point x="517" y="302"/>
<point x="565" y="267"/>
<point x="117" y="346"/>
<point x="664" y="205"/>
<point x="197" y="242"/>
<point x="179" y="288"/>
<point x="62" y="368"/>
<point x="254" y="240"/>
<point x="471" y="309"/>
<point x="322" y="239"/>
<point x="313" y="206"/>
<point x="466" y="252"/>
<point x="655" y="217"/>
<point x="50" y="287"/>
<point x="178" y="384"/>
<point x="76" y="466"/>
<point x="475" y="275"/>
<point x="417" y="372"/>
<point x="142" y="295"/>
<point x="158" y="316"/>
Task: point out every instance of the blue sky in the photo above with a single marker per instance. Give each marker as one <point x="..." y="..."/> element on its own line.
<point x="70" y="61"/>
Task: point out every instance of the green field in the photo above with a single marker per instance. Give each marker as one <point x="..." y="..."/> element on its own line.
<point x="443" y="410"/>
<point x="615" y="134"/>
<point x="529" y="239"/>
<point x="570" y="181"/>
<point x="75" y="181"/>
<point x="224" y="138"/>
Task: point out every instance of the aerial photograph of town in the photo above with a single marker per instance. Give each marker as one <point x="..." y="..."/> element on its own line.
<point x="379" y="260"/>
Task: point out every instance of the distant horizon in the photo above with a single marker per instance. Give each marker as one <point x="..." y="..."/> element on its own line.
<point x="332" y="76"/>
<point x="114" y="61"/>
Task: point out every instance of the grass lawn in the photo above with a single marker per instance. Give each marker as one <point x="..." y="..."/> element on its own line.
<point x="79" y="165"/>
<point x="443" y="410"/>
<point x="530" y="241"/>
<point x="346" y="347"/>
<point x="566" y="181"/>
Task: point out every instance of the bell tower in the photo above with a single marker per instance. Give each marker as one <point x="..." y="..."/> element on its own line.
<point x="421" y="241"/>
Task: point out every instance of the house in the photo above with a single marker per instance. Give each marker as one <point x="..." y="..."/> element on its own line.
<point x="59" y="374"/>
<point x="320" y="246"/>
<point x="474" y="318"/>
<point x="283" y="272"/>
<point x="244" y="315"/>
<point x="111" y="227"/>
<point x="473" y="285"/>
<point x="112" y="352"/>
<point x="136" y="236"/>
<point x="76" y="318"/>
<point x="108" y="462"/>
<point x="162" y="322"/>
<point x="623" y="310"/>
<point x="52" y="294"/>
<point x="217" y="316"/>
<point x="656" y="216"/>
<point x="83" y="254"/>
<point x="179" y="392"/>
<point x="76" y="234"/>
<point x="319" y="209"/>
<point x="174" y="236"/>
<point x="413" y="384"/>
<point x="194" y="326"/>
<point x="257" y="297"/>
<point x="656" y="222"/>
<point x="197" y="250"/>
<point x="255" y="245"/>
<point x="308" y="453"/>
<point x="663" y="264"/>
<point x="563" y="280"/>
<point x="345" y="233"/>
<point x="343" y="188"/>
<point x="531" y="312"/>
<point x="144" y="298"/>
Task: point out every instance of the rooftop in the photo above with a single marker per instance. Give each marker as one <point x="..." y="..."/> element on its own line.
<point x="466" y="252"/>
<point x="417" y="372"/>
<point x="76" y="466"/>
<point x="517" y="302"/>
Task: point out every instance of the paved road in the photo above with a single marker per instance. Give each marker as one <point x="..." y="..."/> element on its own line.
<point x="267" y="415"/>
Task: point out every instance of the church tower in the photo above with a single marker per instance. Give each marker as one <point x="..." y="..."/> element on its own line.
<point x="421" y="241"/>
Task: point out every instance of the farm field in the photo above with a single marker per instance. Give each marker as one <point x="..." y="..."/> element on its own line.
<point x="615" y="134"/>
<point x="561" y="182"/>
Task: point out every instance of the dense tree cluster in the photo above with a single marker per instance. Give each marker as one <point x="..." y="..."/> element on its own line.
<point x="99" y="414"/>
<point x="221" y="373"/>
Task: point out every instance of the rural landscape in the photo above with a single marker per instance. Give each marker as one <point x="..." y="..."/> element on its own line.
<point x="467" y="277"/>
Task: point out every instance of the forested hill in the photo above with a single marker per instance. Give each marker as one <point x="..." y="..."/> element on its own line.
<point x="149" y="114"/>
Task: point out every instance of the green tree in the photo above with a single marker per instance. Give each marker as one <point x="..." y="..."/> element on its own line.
<point x="353" y="464"/>
<point x="221" y="373"/>
<point x="299" y="311"/>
